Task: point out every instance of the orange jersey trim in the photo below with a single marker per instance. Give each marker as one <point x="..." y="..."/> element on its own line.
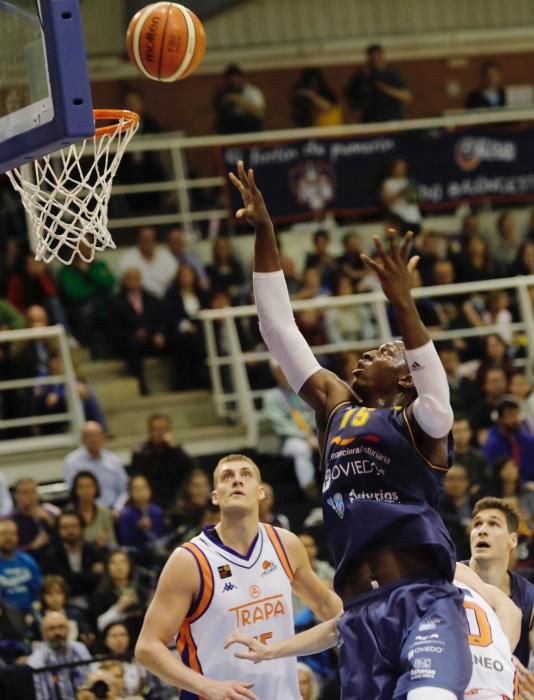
<point x="280" y="551"/>
<point x="185" y="641"/>
<point x="206" y="582"/>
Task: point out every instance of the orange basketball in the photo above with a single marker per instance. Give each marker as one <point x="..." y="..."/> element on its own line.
<point x="166" y="41"/>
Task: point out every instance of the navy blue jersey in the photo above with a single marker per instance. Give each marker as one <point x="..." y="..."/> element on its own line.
<point x="379" y="492"/>
<point x="522" y="593"/>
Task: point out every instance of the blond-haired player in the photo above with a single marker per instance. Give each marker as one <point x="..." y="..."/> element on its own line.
<point x="238" y="573"/>
<point x="494" y="624"/>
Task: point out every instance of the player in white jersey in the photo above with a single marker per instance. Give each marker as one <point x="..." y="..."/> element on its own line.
<point x="239" y="573"/>
<point x="494" y="628"/>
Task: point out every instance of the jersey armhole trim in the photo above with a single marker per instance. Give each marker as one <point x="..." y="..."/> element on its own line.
<point x="205" y="594"/>
<point x="279" y="548"/>
<point x="412" y="439"/>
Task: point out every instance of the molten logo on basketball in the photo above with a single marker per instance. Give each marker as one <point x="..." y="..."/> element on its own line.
<point x="150" y="39"/>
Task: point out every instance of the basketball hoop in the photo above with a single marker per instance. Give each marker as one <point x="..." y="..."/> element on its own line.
<point x="66" y="194"/>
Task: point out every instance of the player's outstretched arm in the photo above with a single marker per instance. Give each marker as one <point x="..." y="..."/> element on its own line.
<point x="177" y="587"/>
<point x="312" y="641"/>
<point x="317" y="386"/>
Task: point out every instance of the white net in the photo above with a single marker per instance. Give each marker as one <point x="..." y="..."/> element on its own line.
<point x="66" y="194"/>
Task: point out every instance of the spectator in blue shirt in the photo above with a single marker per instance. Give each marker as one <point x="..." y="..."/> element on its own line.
<point x="105" y="465"/>
<point x="507" y="439"/>
<point x="20" y="575"/>
<point x="140" y="521"/>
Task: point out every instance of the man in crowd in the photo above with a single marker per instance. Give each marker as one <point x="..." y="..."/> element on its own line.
<point x="20" y="575"/>
<point x="177" y="244"/>
<point x="104" y="464"/>
<point x="239" y="105"/>
<point x="506" y="438"/>
<point x="468" y="456"/>
<point x="35" y="521"/>
<point x="164" y="464"/>
<point x="378" y="91"/>
<point x="455" y="508"/>
<point x="464" y="392"/>
<point x="490" y="92"/>
<point x="493" y="385"/>
<point x="56" y="649"/>
<point x="156" y="264"/>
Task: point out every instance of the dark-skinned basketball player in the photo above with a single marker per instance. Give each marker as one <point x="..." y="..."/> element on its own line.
<point x="385" y="446"/>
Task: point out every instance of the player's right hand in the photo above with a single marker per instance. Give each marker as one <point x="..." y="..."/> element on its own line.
<point x="228" y="690"/>
<point x="254" y="209"/>
<point x="526" y="681"/>
<point x="257" y="651"/>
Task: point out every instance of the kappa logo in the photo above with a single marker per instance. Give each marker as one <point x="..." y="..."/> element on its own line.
<point x="224" y="571"/>
<point x="337" y="504"/>
<point x="268" y="567"/>
<point x="229" y="586"/>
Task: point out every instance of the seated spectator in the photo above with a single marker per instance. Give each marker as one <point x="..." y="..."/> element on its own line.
<point x="54" y="594"/>
<point x="314" y="101"/>
<point x="292" y="421"/>
<point x="321" y="259"/>
<point x="189" y="511"/>
<point x="311" y="285"/>
<point x="504" y="243"/>
<point x="508" y="486"/>
<point x="449" y="309"/>
<point x="495" y="355"/>
<point x="79" y="563"/>
<point x="506" y="438"/>
<point x="6" y="502"/>
<point x="425" y="307"/>
<point x="455" y="508"/>
<point x="163" y="463"/>
<point x="85" y="289"/>
<point x="429" y="247"/>
<point x="493" y="384"/>
<point x="463" y="391"/>
<point x="344" y="323"/>
<point x="114" y="670"/>
<point x="308" y="684"/>
<point x="470" y="228"/>
<point x="377" y="90"/>
<point x="400" y="197"/>
<point x="498" y="313"/>
<point x="474" y="263"/>
<point x="184" y="332"/>
<point x="57" y="650"/>
<point x="98" y="522"/>
<point x="239" y="106"/>
<point x="266" y="509"/>
<point x="311" y="324"/>
<point x="349" y="263"/>
<point x="288" y="267"/>
<point x="31" y="284"/>
<point x="524" y="263"/>
<point x="177" y="244"/>
<point x="490" y="92"/>
<point x="119" y="597"/>
<point x="106" y="466"/>
<point x="136" y="325"/>
<point x="225" y="272"/>
<point x="468" y="456"/>
<point x="141" y="521"/>
<point x="520" y="387"/>
<point x="156" y="264"/>
<point x="35" y="520"/>
<point x="117" y="642"/>
<point x="20" y="575"/>
<point x="15" y="636"/>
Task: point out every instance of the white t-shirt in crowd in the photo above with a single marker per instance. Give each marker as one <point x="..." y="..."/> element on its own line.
<point x="157" y="272"/>
<point x="407" y="211"/>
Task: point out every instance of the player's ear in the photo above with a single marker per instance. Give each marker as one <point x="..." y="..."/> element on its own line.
<point x="513" y="539"/>
<point x="261" y="492"/>
<point x="214" y="498"/>
<point x="405" y="383"/>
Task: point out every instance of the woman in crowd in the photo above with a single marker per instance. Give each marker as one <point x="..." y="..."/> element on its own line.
<point x="474" y="262"/>
<point x="119" y="597"/>
<point x="116" y="639"/>
<point x="190" y="507"/>
<point x="314" y="101"/>
<point x="141" y="521"/>
<point x="97" y="517"/>
<point x="400" y="198"/>
<point x="54" y="595"/>
<point x="344" y="323"/>
<point x="226" y="272"/>
<point x="185" y="339"/>
<point x="520" y="387"/>
<point x="495" y="354"/>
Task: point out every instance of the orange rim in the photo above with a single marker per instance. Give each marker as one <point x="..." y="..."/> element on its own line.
<point x="123" y="118"/>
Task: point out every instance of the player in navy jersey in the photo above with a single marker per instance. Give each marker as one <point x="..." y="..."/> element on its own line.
<point x="385" y="446"/>
<point x="493" y="540"/>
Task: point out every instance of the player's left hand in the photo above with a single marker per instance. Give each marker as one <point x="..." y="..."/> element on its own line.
<point x="394" y="269"/>
<point x="526" y="681"/>
<point x="256" y="650"/>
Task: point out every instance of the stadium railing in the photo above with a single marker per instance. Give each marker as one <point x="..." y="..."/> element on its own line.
<point x="236" y="400"/>
<point x="72" y="417"/>
<point x="175" y="149"/>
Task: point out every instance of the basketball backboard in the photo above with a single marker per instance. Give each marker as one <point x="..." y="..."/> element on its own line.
<point x="45" y="96"/>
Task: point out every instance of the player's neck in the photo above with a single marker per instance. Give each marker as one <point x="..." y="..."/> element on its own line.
<point x="493" y="572"/>
<point x="238" y="531"/>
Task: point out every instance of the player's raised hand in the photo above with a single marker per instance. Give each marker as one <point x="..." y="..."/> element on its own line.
<point x="228" y="690"/>
<point x="526" y="681"/>
<point x="257" y="651"/>
<point x="394" y="268"/>
<point x="254" y="209"/>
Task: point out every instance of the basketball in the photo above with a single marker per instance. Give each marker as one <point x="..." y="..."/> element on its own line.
<point x="166" y="41"/>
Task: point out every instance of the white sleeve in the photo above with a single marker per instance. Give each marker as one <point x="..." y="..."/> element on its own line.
<point x="432" y="407"/>
<point x="279" y="330"/>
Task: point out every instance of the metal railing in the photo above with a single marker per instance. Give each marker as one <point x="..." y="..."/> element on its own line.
<point x="173" y="149"/>
<point x="236" y="399"/>
<point x="72" y="416"/>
